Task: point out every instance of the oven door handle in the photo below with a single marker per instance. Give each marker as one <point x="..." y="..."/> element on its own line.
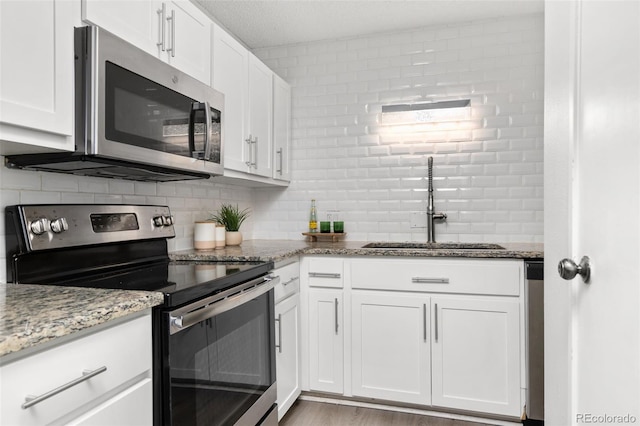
<point x="184" y="318"/>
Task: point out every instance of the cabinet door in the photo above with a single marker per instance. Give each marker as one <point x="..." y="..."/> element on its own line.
<point x="476" y="354"/>
<point x="288" y="352"/>
<point x="230" y="76"/>
<point x="390" y="347"/>
<point x="281" y="128"/>
<point x="326" y="341"/>
<point x="141" y="23"/>
<point x="36" y="73"/>
<point x="260" y="116"/>
<point x="189" y="37"/>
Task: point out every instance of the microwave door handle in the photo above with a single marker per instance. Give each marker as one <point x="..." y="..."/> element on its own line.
<point x="207" y="131"/>
<point x="195" y="107"/>
<point x="192" y="116"/>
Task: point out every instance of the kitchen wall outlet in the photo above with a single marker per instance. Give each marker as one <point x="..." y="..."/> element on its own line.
<point x="418" y="220"/>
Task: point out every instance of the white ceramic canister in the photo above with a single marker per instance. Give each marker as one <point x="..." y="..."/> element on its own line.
<point x="220" y="236"/>
<point x="204" y="236"/>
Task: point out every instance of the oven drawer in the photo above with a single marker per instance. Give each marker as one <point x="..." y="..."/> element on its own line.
<point x="125" y="351"/>
<point x="289" y="281"/>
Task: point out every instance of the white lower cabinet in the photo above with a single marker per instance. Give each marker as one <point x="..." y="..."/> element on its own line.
<point x="326" y="340"/>
<point x="390" y="346"/>
<point x="288" y="352"/>
<point x="120" y="391"/>
<point x="476" y="354"/>
<point x="435" y="332"/>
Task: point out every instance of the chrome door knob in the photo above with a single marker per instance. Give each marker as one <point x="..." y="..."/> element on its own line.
<point x="568" y="269"/>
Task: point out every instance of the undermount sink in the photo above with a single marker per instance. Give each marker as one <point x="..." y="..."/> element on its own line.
<point x="433" y="246"/>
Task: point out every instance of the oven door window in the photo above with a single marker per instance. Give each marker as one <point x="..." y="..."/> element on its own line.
<point x="143" y="113"/>
<point x="222" y="365"/>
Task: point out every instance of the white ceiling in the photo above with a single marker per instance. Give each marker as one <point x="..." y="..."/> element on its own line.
<point x="266" y="23"/>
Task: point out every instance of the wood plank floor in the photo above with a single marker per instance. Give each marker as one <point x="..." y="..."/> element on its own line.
<point x="309" y="413"/>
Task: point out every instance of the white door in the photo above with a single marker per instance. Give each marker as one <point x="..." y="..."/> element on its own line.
<point x="592" y="188"/>
<point x="260" y="116"/>
<point x="476" y="354"/>
<point x="326" y="341"/>
<point x="288" y="353"/>
<point x="230" y="76"/>
<point x="390" y="343"/>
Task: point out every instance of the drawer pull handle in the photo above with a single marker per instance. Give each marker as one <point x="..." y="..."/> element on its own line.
<point x="323" y="275"/>
<point x="279" y="345"/>
<point x="423" y="280"/>
<point x="290" y="281"/>
<point x="335" y="309"/>
<point x="31" y="400"/>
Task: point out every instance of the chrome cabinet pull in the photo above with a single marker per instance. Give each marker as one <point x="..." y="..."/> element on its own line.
<point x="323" y="275"/>
<point x="279" y="152"/>
<point x="425" y="280"/>
<point x="436" y="318"/>
<point x="424" y="321"/>
<point x="255" y="149"/>
<point x="172" y="18"/>
<point x="290" y="281"/>
<point x="162" y="12"/>
<point x="31" y="400"/>
<point x="251" y="142"/>
<point x="279" y="345"/>
<point x="335" y="305"/>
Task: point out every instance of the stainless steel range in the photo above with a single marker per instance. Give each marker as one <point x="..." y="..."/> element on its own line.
<point x="214" y="344"/>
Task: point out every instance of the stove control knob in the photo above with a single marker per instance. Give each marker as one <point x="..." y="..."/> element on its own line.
<point x="40" y="226"/>
<point x="158" y="221"/>
<point x="59" y="225"/>
<point x="168" y="220"/>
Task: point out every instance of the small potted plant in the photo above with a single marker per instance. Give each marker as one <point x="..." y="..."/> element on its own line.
<point x="232" y="218"/>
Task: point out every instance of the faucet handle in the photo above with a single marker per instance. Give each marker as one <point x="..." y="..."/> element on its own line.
<point x="441" y="216"/>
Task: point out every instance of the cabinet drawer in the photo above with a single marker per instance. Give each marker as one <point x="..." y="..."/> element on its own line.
<point x="469" y="276"/>
<point x="325" y="272"/>
<point x="125" y="351"/>
<point x="289" y="281"/>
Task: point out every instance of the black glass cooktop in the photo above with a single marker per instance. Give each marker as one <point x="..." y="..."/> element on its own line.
<point x="181" y="281"/>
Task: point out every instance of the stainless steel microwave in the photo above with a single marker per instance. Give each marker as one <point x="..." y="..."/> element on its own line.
<point x="136" y="117"/>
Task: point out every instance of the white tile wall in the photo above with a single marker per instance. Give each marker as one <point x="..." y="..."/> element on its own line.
<point x="189" y="201"/>
<point x="488" y="170"/>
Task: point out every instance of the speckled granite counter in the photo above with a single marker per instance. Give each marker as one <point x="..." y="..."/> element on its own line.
<point x="277" y="250"/>
<point x="34" y="314"/>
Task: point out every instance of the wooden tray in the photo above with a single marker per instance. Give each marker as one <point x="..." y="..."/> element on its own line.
<point x="314" y="236"/>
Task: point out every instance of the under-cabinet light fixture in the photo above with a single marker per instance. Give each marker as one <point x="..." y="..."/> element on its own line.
<point x="426" y="112"/>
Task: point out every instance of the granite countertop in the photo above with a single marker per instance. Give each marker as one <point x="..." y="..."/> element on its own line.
<point x="277" y="250"/>
<point x="34" y="314"/>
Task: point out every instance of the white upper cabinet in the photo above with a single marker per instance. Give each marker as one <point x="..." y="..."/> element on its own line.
<point x="257" y="110"/>
<point x="281" y="128"/>
<point x="260" y="117"/>
<point x="174" y="31"/>
<point x="230" y="76"/>
<point x="36" y="75"/>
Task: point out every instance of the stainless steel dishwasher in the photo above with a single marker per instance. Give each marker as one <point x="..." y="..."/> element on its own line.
<point x="535" y="339"/>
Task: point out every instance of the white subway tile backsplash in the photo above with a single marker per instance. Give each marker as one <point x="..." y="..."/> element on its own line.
<point x="488" y="172"/>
